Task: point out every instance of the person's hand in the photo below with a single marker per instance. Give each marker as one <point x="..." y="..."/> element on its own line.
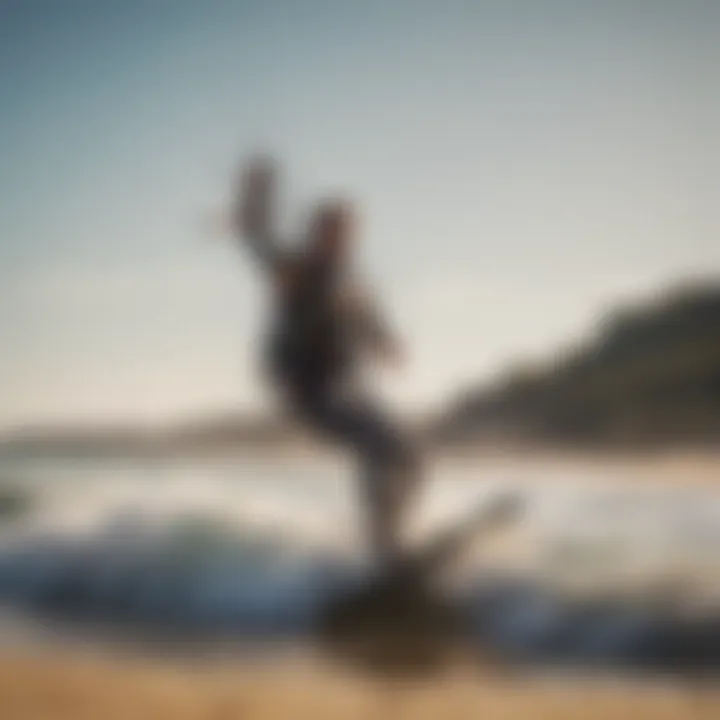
<point x="256" y="194"/>
<point x="259" y="172"/>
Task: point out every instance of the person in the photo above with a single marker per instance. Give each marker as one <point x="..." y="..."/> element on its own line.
<point x="325" y="327"/>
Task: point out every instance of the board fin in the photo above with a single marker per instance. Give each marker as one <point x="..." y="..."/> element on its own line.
<point x="448" y="544"/>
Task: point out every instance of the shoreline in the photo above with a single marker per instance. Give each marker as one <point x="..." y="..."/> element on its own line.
<point x="313" y="448"/>
<point x="690" y="466"/>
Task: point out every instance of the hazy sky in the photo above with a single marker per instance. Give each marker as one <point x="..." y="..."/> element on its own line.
<point x="518" y="165"/>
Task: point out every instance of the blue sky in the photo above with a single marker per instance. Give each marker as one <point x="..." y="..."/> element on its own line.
<point x="518" y="165"/>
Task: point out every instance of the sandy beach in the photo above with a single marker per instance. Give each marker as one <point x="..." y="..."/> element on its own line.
<point x="78" y="687"/>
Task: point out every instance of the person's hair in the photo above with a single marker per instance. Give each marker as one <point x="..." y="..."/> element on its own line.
<point x="336" y="210"/>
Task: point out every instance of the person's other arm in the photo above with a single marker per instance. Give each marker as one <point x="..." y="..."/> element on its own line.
<point x="373" y="327"/>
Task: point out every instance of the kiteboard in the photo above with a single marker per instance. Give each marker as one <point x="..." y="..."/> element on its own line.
<point x="398" y="620"/>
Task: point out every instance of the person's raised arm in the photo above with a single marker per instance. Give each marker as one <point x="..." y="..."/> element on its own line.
<point x="254" y="212"/>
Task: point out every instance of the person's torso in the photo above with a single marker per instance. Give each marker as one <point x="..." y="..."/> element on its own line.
<point x="310" y="343"/>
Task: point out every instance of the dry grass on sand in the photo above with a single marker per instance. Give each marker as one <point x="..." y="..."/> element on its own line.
<point x="60" y="687"/>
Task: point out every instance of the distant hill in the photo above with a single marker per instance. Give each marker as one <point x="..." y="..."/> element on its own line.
<point x="650" y="375"/>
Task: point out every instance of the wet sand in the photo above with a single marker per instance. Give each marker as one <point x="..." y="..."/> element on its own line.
<point x="78" y="687"/>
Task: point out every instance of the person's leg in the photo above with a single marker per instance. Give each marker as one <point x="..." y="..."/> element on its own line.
<point x="390" y="463"/>
<point x="386" y="489"/>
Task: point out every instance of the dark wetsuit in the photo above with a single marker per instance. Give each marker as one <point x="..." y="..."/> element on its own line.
<point x="313" y="354"/>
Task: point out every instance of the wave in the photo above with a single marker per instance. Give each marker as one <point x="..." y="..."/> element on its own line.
<point x="197" y="576"/>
